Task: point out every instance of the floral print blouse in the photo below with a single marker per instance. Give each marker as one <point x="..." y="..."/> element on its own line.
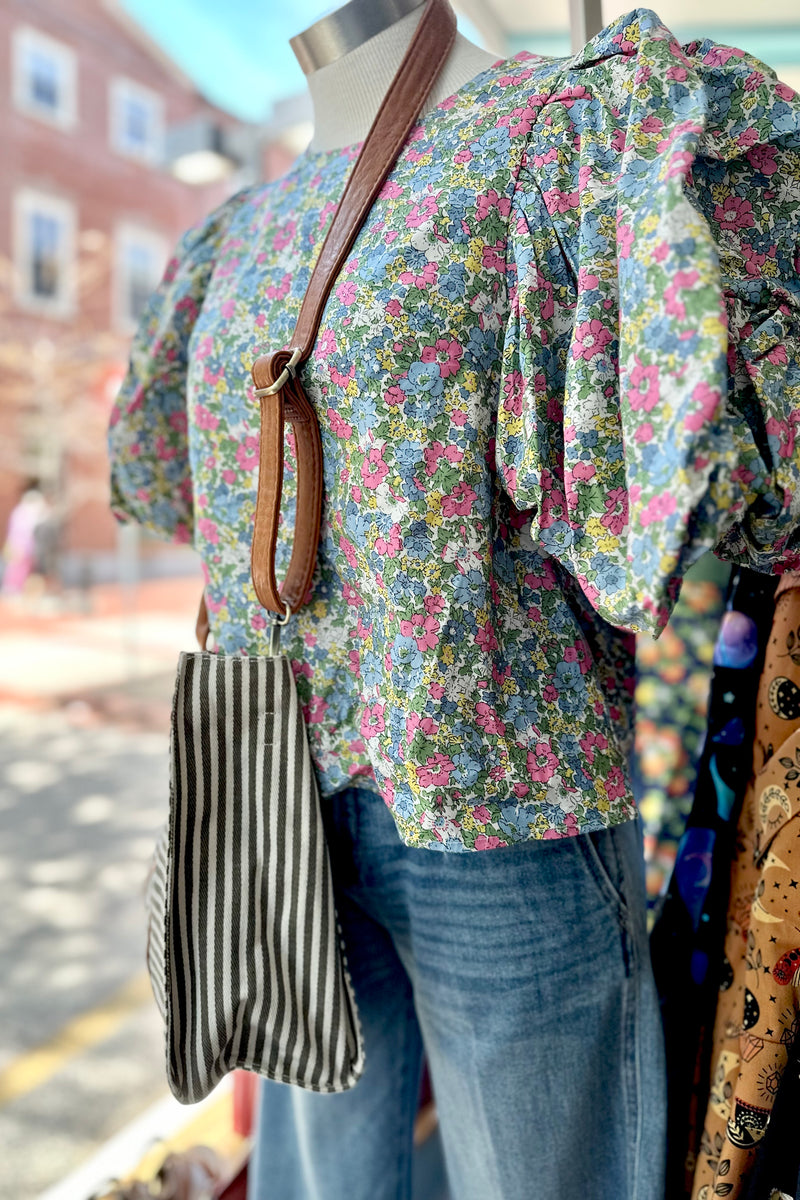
<point x="562" y="361"/>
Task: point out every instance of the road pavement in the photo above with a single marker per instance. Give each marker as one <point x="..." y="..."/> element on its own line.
<point x="84" y="702"/>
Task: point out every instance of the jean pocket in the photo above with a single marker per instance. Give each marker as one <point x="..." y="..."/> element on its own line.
<point x="605" y="864"/>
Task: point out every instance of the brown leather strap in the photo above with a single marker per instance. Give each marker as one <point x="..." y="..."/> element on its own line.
<point x="402" y="105"/>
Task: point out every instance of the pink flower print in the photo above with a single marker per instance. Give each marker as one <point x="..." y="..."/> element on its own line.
<point x="373" y="469"/>
<point x="372" y="722"/>
<point x="677" y="74"/>
<point x="425" y="280"/>
<point x="488" y="719"/>
<point x="208" y="530"/>
<point x="258" y="621"/>
<point x="394" y="396"/>
<point x="436" y="691"/>
<point x="624" y="240"/>
<point x="542" y="763"/>
<point x="584" y="471"/>
<point x="485" y="203"/>
<point x="615" y="517"/>
<point x="178" y="422"/>
<point x="423" y="629"/>
<point x="549" y="694"/>
<point x="182" y="535"/>
<point x="459" y="501"/>
<point x="615" y="784"/>
<point x="204" y="419"/>
<point x="482" y="814"/>
<point x="785" y="433"/>
<point x="348" y="550"/>
<point x="658" y="509"/>
<point x="229" y="476"/>
<point x="719" y="55"/>
<point x="337" y="425"/>
<point x="493" y="258"/>
<point x="314" y="711"/>
<point x="560" y="202"/>
<point x="391" y="191"/>
<point x="735" y="213"/>
<point x="346" y="292"/>
<point x="164" y="452"/>
<point x="350" y="595"/>
<point x="247" y="453"/>
<point x="436" y="772"/>
<point x="434" y="604"/>
<point x="590" y="338"/>
<point x="644" y="434"/>
<point x="643" y="390"/>
<point x="284" y="236"/>
<point x="762" y="158"/>
<point x="488" y="842"/>
<point x="785" y="92"/>
<point x="651" y="125"/>
<point x="707" y="400"/>
<point x="486" y="639"/>
<point x="420" y="214"/>
<point x="446" y="353"/>
<point x="512" y="389"/>
<point x="342" y="380"/>
<point x="458" y="417"/>
<point x="325" y="345"/>
<point x="390" y="548"/>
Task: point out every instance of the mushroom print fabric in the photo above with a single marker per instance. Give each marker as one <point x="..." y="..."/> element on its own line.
<point x="758" y="1014"/>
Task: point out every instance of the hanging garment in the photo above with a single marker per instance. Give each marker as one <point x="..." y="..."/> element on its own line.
<point x="758" y="1013"/>
<point x="562" y="361"/>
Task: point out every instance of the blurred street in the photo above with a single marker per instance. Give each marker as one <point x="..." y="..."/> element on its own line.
<point x="84" y="703"/>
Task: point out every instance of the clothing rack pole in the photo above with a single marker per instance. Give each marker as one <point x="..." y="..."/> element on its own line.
<point x="585" y="20"/>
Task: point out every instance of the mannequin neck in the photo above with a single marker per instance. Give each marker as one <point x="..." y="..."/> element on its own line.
<point x="347" y="90"/>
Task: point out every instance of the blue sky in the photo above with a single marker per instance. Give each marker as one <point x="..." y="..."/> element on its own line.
<point x="237" y="52"/>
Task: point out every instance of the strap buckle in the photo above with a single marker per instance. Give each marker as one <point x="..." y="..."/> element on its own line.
<point x="275" y="632"/>
<point x="288" y="372"/>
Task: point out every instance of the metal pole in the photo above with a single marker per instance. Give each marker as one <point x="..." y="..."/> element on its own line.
<point x="585" y="20"/>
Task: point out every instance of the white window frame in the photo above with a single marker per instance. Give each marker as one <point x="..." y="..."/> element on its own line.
<point x="122" y="89"/>
<point x="28" y="201"/>
<point x="25" y="39"/>
<point x="127" y="234"/>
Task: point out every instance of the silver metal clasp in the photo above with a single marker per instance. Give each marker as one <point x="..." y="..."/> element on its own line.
<point x="288" y="372"/>
<point x="275" y="632"/>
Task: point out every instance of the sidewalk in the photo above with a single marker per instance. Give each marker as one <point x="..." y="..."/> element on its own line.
<point x="113" y="662"/>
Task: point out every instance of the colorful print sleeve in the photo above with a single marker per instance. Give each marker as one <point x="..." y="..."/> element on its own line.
<point x="651" y="387"/>
<point x="150" y="473"/>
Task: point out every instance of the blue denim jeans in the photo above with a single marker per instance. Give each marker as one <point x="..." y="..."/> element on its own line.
<point x="523" y="975"/>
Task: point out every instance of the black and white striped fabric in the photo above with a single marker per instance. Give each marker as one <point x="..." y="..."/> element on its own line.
<point x="244" y="949"/>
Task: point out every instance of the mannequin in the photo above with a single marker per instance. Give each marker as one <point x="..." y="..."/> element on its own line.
<point x="350" y="56"/>
<point x="464" y="663"/>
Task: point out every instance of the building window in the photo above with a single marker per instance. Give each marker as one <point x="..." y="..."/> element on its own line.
<point x="137" y="121"/>
<point x="44" y="253"/>
<point x="44" y="77"/>
<point x="140" y="260"/>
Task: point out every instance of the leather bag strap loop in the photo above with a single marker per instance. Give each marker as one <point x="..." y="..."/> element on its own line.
<point x="401" y="107"/>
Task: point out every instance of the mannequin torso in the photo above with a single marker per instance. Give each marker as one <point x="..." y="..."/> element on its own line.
<point x="346" y="91"/>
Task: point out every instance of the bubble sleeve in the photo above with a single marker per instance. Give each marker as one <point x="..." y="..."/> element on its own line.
<point x="650" y="395"/>
<point x="151" y="480"/>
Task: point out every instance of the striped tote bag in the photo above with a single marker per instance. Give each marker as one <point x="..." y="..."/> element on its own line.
<point x="244" y="949"/>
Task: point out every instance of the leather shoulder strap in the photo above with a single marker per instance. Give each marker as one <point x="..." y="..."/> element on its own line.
<point x="402" y="105"/>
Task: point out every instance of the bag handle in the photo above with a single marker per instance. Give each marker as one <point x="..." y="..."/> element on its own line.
<point x="275" y="375"/>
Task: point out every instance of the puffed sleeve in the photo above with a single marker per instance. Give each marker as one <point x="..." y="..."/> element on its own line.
<point x="150" y="477"/>
<point x="650" y="403"/>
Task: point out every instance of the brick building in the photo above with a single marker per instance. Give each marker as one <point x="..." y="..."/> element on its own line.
<point x="88" y="215"/>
